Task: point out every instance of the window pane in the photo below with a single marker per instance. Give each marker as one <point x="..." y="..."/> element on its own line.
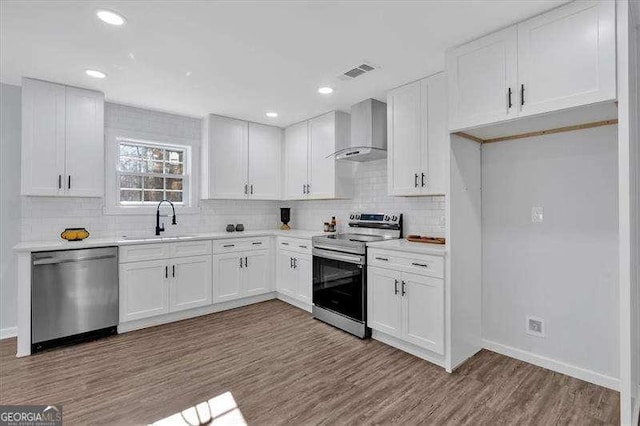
<point x="130" y="165"/>
<point x="174" y="156"/>
<point x="132" y="150"/>
<point x="153" y="167"/>
<point x="174" y="184"/>
<point x="128" y="181"/>
<point x="155" y="153"/>
<point x="153" y="195"/>
<point x="175" y="197"/>
<point x="174" y="169"/>
<point x="126" y="195"/>
<point x="153" y="183"/>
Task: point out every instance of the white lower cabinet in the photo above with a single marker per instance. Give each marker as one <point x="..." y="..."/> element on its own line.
<point x="150" y="286"/>
<point x="238" y="274"/>
<point x="407" y="306"/>
<point x="190" y="285"/>
<point x="143" y="290"/>
<point x="294" y="271"/>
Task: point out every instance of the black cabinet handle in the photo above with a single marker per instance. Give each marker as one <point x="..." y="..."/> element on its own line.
<point x="509" y="104"/>
<point x="257" y="243"/>
<point x="229" y="245"/>
<point x="382" y="258"/>
<point x="295" y="263"/>
<point x="415" y="180"/>
<point x="303" y="247"/>
<point x="424" y="265"/>
<point x="423" y="180"/>
<point x="173" y="271"/>
<point x="69" y="182"/>
<point x="284" y="244"/>
<point x="521" y="94"/>
<point x="395" y="286"/>
<point x="404" y="291"/>
<point x="246" y="262"/>
<point x="241" y="262"/>
<point x="252" y="188"/>
<point x="59" y="181"/>
<point x="166" y="271"/>
<point x="246" y="188"/>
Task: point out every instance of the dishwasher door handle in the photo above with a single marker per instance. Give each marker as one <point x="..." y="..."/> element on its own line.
<point x="56" y="260"/>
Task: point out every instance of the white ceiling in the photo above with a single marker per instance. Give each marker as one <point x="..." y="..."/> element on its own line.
<point x="242" y="58"/>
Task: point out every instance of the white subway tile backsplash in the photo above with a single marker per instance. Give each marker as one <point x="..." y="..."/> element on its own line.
<point x="43" y="218"/>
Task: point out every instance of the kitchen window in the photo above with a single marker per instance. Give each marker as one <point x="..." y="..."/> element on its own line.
<point x="149" y="173"/>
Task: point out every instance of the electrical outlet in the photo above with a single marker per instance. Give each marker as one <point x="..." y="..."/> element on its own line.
<point x="535" y="327"/>
<point x="537" y="214"/>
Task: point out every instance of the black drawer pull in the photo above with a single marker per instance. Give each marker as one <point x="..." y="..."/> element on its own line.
<point x="257" y="243"/>
<point x="229" y="245"/>
<point x="424" y="265"/>
<point x="303" y="247"/>
<point x="382" y="258"/>
<point x="285" y="244"/>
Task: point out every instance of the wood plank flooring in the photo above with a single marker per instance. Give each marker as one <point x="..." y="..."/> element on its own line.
<point x="283" y="367"/>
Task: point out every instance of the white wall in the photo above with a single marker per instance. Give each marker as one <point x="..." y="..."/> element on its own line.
<point x="565" y="269"/>
<point x="421" y="215"/>
<point x="10" y="125"/>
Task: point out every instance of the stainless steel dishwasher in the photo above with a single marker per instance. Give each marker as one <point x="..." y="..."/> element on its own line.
<point x="74" y="296"/>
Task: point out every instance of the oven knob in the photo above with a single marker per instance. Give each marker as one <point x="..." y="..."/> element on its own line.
<point x="358" y="217"/>
<point x="394" y="218"/>
<point x="386" y="218"/>
<point x="352" y="216"/>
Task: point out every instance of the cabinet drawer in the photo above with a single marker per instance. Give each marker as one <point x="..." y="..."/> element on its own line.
<point x="241" y="244"/>
<point x="191" y="248"/>
<point x="297" y="245"/>
<point x="142" y="252"/>
<point x="432" y="266"/>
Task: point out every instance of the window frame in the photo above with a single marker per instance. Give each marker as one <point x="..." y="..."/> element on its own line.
<point x="185" y="177"/>
<point x="113" y="138"/>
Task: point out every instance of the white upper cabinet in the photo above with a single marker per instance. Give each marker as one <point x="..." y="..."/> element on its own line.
<point x="240" y="159"/>
<point x="296" y="154"/>
<point x="311" y="172"/>
<point x="566" y="57"/>
<point x="561" y="59"/>
<point x="62" y="140"/>
<point x="265" y="149"/>
<point x="417" y="137"/>
<point x="481" y="76"/>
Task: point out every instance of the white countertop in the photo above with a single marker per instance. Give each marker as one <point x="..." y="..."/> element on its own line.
<point x="33" y="246"/>
<point x="410" y="247"/>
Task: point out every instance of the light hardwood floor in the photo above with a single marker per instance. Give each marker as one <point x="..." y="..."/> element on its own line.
<point x="283" y="367"/>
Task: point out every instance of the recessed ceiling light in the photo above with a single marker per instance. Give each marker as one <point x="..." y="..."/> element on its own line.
<point x="325" y="90"/>
<point x="95" y="74"/>
<point x="111" y="17"/>
<point x="272" y="114"/>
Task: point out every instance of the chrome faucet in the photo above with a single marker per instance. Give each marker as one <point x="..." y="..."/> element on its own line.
<point x="159" y="228"/>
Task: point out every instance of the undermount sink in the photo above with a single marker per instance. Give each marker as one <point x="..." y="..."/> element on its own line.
<point x="155" y="237"/>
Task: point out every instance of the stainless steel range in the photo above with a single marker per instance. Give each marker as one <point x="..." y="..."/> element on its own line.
<point x="340" y="273"/>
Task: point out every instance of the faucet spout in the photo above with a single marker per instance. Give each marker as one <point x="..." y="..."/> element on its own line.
<point x="160" y="228"/>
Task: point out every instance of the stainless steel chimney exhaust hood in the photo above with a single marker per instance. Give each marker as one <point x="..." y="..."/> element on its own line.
<point x="368" y="132"/>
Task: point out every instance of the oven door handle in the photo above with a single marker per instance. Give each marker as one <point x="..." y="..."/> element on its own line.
<point x="331" y="249"/>
<point x="344" y="257"/>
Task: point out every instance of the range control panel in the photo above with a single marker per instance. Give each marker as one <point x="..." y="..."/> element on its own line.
<point x="363" y="219"/>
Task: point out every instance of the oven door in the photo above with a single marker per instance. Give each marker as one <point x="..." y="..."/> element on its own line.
<point x="339" y="283"/>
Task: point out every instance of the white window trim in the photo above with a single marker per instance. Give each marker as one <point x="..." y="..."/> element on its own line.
<point x="113" y="137"/>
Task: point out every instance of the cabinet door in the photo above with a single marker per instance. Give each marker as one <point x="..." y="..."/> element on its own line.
<point x="84" y="143"/>
<point x="256" y="273"/>
<point x="43" y="137"/>
<point x="480" y="76"/>
<point x="423" y="311"/>
<point x="191" y="284"/>
<point x="384" y="301"/>
<point x="227" y="151"/>
<point x="285" y="277"/>
<point x="226" y="276"/>
<point x="435" y="136"/>
<point x="265" y="171"/>
<point x="296" y="143"/>
<point x="322" y="143"/>
<point x="404" y="121"/>
<point x="567" y="57"/>
<point x="304" y="278"/>
<point x="144" y="289"/>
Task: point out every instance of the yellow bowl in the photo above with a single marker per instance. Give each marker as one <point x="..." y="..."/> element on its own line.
<point x="74" y="234"/>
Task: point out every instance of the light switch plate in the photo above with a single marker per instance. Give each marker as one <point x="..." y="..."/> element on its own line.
<point x="537" y="214"/>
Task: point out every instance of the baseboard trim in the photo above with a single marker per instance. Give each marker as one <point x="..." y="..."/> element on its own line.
<point x="636" y="409"/>
<point x="295" y="302"/>
<point x="409" y="348"/>
<point x="9" y="332"/>
<point x="554" y="365"/>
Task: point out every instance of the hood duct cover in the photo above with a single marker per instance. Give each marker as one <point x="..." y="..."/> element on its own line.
<point x="368" y="132"/>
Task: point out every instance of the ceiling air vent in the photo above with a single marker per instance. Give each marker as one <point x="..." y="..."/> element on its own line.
<point x="357" y="71"/>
